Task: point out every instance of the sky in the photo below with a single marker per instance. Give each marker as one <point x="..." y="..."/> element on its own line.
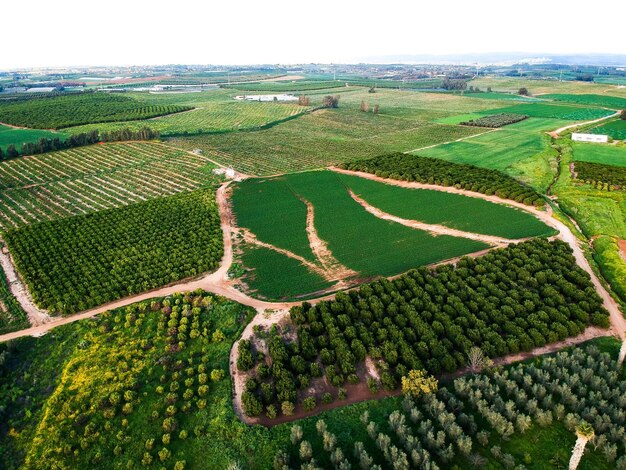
<point x="141" y="32"/>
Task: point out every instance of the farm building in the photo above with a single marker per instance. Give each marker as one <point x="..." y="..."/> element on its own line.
<point x="598" y="138"/>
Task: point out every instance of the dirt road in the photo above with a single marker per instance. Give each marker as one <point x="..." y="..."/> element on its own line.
<point x="556" y="133"/>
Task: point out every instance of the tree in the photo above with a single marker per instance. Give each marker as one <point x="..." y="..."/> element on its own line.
<point x="622" y="353"/>
<point x="585" y="433"/>
<point x="523" y="91"/>
<point x="623" y="115"/>
<point x="418" y="382"/>
<point x="304" y="100"/>
<point x="477" y="360"/>
<point x="364" y="106"/>
<point x="375" y="109"/>
<point x="330" y="101"/>
<point x="12" y="151"/>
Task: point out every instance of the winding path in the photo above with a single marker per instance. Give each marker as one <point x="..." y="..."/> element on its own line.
<point x="556" y="133"/>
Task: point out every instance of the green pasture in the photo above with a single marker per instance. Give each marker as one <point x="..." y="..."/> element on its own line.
<point x="554" y="111"/>
<point x="606" y="101"/>
<point x="600" y="153"/>
<point x="18" y="137"/>
<point x="614" y="129"/>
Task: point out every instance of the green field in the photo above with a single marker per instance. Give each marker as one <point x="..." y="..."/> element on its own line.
<point x="605" y="101"/>
<point x="18" y="137"/>
<point x="80" y="262"/>
<point x="554" y="111"/>
<point x="93" y="178"/>
<point x="599" y="153"/>
<point x="542" y="87"/>
<point x="452" y="210"/>
<point x="614" y="129"/>
<point x="211" y="111"/>
<point x="357" y="239"/>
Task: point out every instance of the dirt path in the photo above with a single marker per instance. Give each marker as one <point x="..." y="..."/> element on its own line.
<point x="434" y="229"/>
<point x="36" y="316"/>
<point x="333" y="268"/>
<point x="556" y="133"/>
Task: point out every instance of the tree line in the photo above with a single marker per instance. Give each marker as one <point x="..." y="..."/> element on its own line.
<point x="404" y="167"/>
<point x="44" y="145"/>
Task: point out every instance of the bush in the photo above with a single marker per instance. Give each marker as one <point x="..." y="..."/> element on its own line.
<point x="309" y="403"/>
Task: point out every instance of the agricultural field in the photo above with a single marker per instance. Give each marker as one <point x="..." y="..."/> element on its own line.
<point x="605" y="101"/>
<point x="495" y="120"/>
<point x="357" y="244"/>
<point x="510" y="300"/>
<point x="72" y="110"/>
<point x="214" y="111"/>
<point x="286" y="86"/>
<point x="12" y="316"/>
<point x="18" y="137"/>
<point x="600" y="153"/>
<point x="319" y="139"/>
<point x="555" y="111"/>
<point x="88" y="179"/>
<point x="80" y="262"/>
<point x="607" y="177"/>
<point x="538" y="88"/>
<point x="614" y="129"/>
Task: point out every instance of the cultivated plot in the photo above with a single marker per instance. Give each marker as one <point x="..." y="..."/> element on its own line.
<point x="337" y="227"/>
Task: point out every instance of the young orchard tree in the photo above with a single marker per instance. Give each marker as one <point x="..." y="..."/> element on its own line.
<point x="585" y="433"/>
<point x="523" y="91"/>
<point x="477" y="360"/>
<point x="418" y="382"/>
<point x="622" y="353"/>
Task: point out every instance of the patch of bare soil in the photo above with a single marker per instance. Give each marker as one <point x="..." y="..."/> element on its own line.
<point x="334" y="269"/>
<point x="621" y="244"/>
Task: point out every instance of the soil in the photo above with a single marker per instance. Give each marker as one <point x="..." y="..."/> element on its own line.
<point x="621" y="244"/>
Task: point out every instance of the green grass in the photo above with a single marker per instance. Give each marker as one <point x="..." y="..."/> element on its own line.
<point x="554" y="111"/>
<point x="607" y="254"/>
<point x="614" y="129"/>
<point x="272" y="275"/>
<point x="600" y="153"/>
<point x="18" y="137"/>
<point x="540" y="87"/>
<point x="605" y="101"/>
<point x="452" y="210"/>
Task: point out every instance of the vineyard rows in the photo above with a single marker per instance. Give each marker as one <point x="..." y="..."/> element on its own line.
<point x="89" y="179"/>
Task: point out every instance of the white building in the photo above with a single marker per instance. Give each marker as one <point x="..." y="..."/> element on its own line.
<point x="597" y="138"/>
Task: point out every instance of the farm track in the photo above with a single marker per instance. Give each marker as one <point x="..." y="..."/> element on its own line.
<point x="556" y="133"/>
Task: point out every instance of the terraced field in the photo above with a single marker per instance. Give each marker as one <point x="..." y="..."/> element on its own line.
<point x="327" y="229"/>
<point x="89" y="179"/>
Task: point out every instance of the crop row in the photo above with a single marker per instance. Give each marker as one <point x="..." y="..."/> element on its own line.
<point x="100" y="177"/>
<point x="435" y="171"/>
<point x="510" y="300"/>
<point x="72" y="110"/>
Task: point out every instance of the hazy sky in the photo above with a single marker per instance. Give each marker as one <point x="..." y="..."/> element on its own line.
<point x="114" y="32"/>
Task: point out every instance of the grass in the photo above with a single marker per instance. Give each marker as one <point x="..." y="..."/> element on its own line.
<point x="88" y="179"/>
<point x="612" y="265"/>
<point x="18" y="137"/>
<point x="599" y="153"/>
<point x="272" y="275"/>
<point x="359" y="240"/>
<point x="605" y="101"/>
<point x="452" y="210"/>
<point x="539" y="87"/>
<point x="320" y="139"/>
<point x="614" y="129"/>
<point x="554" y="111"/>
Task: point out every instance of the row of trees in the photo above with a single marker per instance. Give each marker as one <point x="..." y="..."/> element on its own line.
<point x="510" y="300"/>
<point x="404" y="167"/>
<point x="80" y="262"/>
<point x="62" y="111"/>
<point x="44" y="145"/>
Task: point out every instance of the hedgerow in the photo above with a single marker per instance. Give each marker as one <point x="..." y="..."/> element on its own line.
<point x="72" y="110"/>
<point x="80" y="262"/>
<point x="495" y="120"/>
<point x="601" y="176"/>
<point x="510" y="300"/>
<point x="405" y="167"/>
